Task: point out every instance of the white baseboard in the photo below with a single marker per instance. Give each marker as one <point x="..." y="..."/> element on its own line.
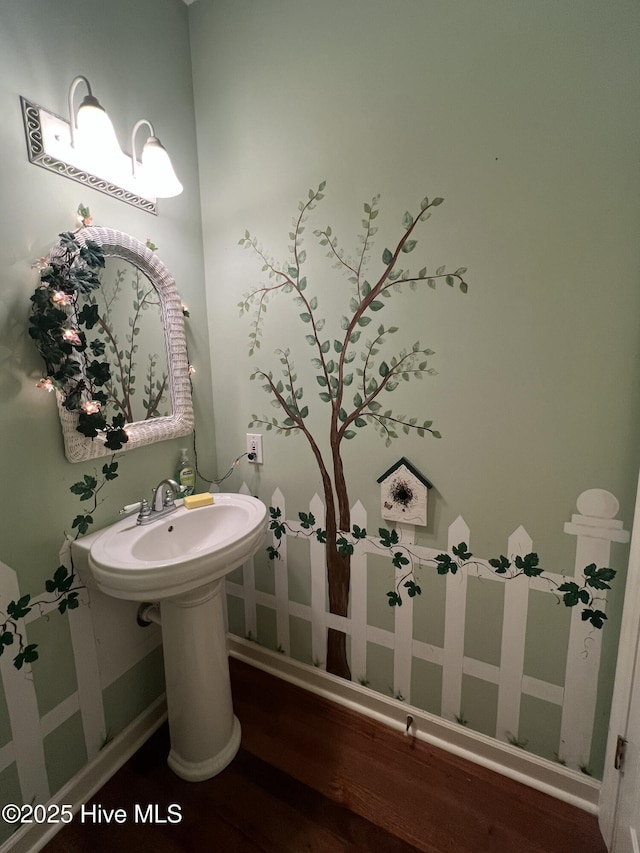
<point x="567" y="785"/>
<point x="78" y="790"/>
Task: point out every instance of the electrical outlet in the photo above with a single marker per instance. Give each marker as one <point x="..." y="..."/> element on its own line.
<point x="254" y="445"/>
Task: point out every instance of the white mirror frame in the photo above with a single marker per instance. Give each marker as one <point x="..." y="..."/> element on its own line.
<point x="77" y="447"/>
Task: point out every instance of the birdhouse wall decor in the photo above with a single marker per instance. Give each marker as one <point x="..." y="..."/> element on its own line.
<point x="403" y="494"/>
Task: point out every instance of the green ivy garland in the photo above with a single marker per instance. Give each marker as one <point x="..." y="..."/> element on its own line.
<point x="75" y="369"/>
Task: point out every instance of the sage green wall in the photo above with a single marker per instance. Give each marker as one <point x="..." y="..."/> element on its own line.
<point x="523" y="115"/>
<point x="137" y="58"/>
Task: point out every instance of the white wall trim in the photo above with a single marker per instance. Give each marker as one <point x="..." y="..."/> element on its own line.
<point x="80" y="789"/>
<point x="564" y="784"/>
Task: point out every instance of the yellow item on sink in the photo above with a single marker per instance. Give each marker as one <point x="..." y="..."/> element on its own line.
<point x="203" y="499"/>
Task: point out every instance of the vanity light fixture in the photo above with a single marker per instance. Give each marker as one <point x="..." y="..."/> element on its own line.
<point x="85" y="149"/>
<point x="155" y="170"/>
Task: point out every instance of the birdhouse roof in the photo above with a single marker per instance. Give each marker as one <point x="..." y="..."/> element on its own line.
<point x="410" y="467"/>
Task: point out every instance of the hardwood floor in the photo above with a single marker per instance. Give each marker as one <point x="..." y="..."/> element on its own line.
<point x="249" y="807"/>
<point x="313" y="776"/>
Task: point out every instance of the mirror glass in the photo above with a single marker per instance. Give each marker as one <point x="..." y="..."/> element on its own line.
<point x="137" y="327"/>
<point x="130" y="333"/>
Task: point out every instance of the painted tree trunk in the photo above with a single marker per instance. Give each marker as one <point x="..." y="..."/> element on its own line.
<point x="338" y="568"/>
<point x="339" y="575"/>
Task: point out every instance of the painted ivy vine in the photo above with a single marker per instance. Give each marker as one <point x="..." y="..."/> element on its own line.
<point x="573" y="594"/>
<point x="63" y="588"/>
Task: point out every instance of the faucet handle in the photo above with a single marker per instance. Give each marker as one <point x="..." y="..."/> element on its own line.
<point x="171" y="493"/>
<point x="145" y="510"/>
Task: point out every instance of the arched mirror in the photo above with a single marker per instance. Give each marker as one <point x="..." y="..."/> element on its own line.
<point x="109" y="324"/>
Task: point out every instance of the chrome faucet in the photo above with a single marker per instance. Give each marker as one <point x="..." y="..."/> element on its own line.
<point x="162" y="502"/>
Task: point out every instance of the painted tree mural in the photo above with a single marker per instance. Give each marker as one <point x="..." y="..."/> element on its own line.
<point x="353" y="374"/>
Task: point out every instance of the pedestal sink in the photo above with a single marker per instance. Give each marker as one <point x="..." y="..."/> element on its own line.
<point x="180" y="561"/>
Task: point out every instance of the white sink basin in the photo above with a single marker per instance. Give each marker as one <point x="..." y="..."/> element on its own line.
<point x="180" y="552"/>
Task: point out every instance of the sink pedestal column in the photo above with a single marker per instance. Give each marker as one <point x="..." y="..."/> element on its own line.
<point x="205" y="734"/>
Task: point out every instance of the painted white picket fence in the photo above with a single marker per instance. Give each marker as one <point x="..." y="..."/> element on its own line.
<point x="594" y="527"/>
<point x="101" y="655"/>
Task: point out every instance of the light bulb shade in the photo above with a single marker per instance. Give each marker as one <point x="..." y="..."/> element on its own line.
<point x="158" y="171"/>
<point x="96" y="136"/>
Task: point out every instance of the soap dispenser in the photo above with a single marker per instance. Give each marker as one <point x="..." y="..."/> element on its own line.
<point x="186" y="474"/>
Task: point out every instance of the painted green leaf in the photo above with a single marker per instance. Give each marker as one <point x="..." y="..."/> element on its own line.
<point x="394" y="599"/>
<point x="597" y="578"/>
<point x="27" y="655"/>
<point x="305" y="317"/>
<point x="409" y="246"/>
<point x="461" y="551"/>
<point x="529" y="565"/>
<point x="110" y="470"/>
<point x="345" y="548"/>
<point x="376" y="305"/>
<point x="19" y="609"/>
<point x="446" y="564"/>
<point x="413" y="589"/>
<point x="501" y="565"/>
<point x="596" y="617"/>
<point x="82" y="522"/>
<point x="307" y="520"/>
<point x="70" y="602"/>
<point x="407" y="220"/>
<point x="387" y="257"/>
<point x="399" y="560"/>
<point x="388" y="537"/>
